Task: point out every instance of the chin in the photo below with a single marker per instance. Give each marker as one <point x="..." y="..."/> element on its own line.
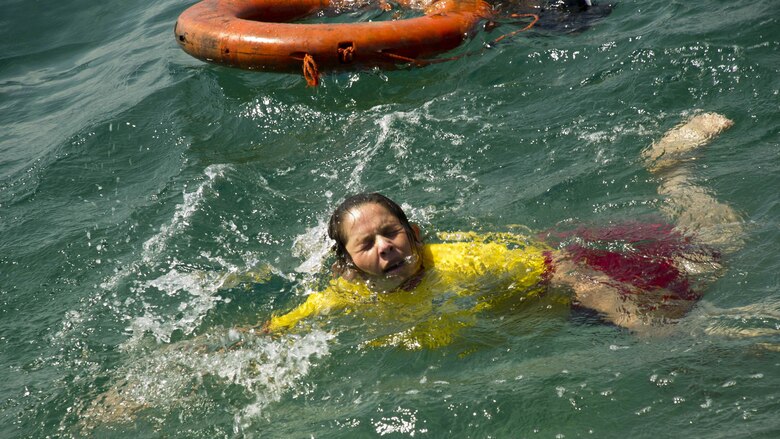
<point x="385" y="283"/>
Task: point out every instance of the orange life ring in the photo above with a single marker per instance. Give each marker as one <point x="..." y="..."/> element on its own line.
<point x="257" y="34"/>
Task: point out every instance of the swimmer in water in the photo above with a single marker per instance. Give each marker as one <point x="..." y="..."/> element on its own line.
<point x="384" y="268"/>
<point x="415" y="295"/>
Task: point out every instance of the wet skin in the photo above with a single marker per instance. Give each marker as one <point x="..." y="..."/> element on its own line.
<point x="380" y="248"/>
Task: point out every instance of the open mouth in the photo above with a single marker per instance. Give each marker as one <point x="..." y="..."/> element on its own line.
<point x="395" y="266"/>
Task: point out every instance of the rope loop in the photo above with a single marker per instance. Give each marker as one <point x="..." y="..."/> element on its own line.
<point x="310" y="71"/>
<point x="346" y="54"/>
<point x="513" y="33"/>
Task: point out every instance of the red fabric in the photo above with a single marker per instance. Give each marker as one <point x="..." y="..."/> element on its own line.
<point x="636" y="254"/>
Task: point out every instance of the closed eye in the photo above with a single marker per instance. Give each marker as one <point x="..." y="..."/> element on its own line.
<point x="388" y="232"/>
<point x="392" y="232"/>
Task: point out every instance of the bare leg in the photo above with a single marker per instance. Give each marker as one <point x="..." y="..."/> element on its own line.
<point x="692" y="208"/>
<point x="642" y="312"/>
<point x="696" y="213"/>
<point x="592" y="290"/>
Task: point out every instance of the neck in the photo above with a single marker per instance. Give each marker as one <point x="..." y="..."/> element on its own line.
<point x="412" y="282"/>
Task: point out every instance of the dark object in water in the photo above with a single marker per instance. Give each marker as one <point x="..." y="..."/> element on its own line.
<point x="565" y="16"/>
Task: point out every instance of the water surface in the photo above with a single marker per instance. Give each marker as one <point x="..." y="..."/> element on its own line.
<point x="150" y="202"/>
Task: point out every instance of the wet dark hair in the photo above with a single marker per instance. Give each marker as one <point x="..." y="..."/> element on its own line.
<point x="335" y="232"/>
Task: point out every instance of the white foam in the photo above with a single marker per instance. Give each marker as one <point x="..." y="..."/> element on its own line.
<point x="287" y="361"/>
<point x="157" y="244"/>
<point x="313" y="246"/>
<point x="367" y="153"/>
<point x="196" y="291"/>
<point x="164" y="377"/>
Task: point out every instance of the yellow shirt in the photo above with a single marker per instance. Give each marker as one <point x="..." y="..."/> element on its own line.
<point x="460" y="280"/>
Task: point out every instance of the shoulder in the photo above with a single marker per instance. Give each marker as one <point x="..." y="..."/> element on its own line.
<point x="503" y="250"/>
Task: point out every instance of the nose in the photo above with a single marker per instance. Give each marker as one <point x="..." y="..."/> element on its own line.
<point x="384" y="245"/>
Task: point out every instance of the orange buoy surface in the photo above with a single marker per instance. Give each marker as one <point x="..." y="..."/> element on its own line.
<point x="258" y="34"/>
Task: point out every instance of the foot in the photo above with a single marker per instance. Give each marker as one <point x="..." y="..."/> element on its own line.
<point x="678" y="141"/>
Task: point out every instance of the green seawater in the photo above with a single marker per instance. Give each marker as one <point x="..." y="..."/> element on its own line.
<point x="151" y="203"/>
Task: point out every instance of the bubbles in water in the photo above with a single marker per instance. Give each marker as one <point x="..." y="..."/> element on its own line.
<point x="402" y="420"/>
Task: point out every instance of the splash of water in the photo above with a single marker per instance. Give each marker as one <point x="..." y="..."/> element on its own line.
<point x="189" y="373"/>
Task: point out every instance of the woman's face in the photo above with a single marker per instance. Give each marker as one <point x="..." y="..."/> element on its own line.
<point x="380" y="247"/>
